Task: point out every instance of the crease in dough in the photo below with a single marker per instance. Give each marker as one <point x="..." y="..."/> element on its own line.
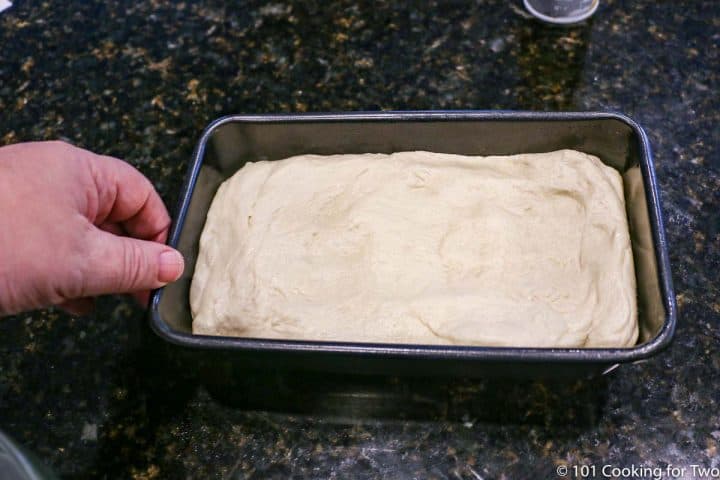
<point x="419" y="247"/>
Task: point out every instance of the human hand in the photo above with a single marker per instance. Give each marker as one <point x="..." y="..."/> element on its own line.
<point x="74" y="225"/>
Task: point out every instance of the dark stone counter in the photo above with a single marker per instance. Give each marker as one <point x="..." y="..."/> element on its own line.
<point x="94" y="397"/>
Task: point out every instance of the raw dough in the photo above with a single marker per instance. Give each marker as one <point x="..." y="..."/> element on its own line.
<point x="419" y="247"/>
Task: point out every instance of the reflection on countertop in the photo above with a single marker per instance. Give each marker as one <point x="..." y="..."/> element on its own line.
<point x="97" y="396"/>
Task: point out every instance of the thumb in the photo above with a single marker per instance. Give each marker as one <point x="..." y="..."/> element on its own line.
<point x="121" y="264"/>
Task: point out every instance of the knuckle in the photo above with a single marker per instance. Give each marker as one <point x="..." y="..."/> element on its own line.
<point x="74" y="285"/>
<point x="78" y="267"/>
<point x="59" y="143"/>
<point x="134" y="267"/>
<point x="61" y="146"/>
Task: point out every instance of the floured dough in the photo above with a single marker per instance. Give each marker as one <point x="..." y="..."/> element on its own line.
<point x="418" y="247"/>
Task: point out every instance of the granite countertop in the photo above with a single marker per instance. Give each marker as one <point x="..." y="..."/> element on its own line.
<point x="140" y="80"/>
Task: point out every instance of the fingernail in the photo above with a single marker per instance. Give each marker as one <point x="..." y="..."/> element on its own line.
<point x="171" y="266"/>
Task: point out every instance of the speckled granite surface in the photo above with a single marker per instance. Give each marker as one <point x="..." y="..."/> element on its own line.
<point x="139" y="80"/>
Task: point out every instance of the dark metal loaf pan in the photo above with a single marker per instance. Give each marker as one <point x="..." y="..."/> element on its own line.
<point x="228" y="143"/>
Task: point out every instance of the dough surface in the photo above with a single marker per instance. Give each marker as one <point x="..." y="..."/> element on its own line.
<point x="419" y="247"/>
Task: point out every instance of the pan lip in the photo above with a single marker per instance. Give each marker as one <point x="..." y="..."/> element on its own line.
<point x="438" y="352"/>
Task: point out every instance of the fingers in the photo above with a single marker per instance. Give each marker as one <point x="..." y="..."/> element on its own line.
<point x="121" y="264"/>
<point x="129" y="206"/>
<point x="128" y="198"/>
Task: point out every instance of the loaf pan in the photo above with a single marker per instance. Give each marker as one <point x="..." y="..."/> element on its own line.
<point x="229" y="142"/>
